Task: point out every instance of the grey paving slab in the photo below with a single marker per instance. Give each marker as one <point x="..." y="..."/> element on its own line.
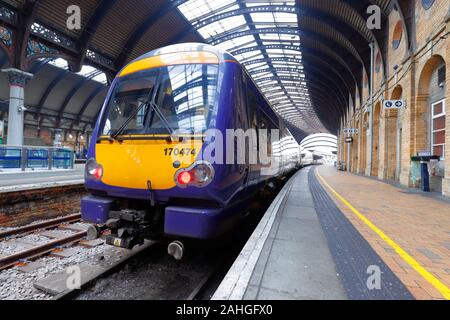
<point x="65" y="253"/>
<point x="26" y="244"/>
<point x="54" y="234"/>
<point x="30" y="267"/>
<point x="303" y="270"/>
<point x="300" y="230"/>
<point x="308" y="213"/>
<point x="299" y="202"/>
<point x="270" y="294"/>
<point x="92" y="243"/>
<point x="75" y="227"/>
<point x="58" y="283"/>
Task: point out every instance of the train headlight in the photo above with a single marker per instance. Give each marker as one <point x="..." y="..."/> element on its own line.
<point x="93" y="169"/>
<point x="200" y="174"/>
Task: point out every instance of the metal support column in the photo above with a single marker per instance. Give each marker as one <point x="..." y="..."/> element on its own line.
<point x="16" y="115"/>
<point x="348" y="157"/>
<point x="372" y="78"/>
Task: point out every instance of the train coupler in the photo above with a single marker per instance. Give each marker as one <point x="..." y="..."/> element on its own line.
<point x="129" y="228"/>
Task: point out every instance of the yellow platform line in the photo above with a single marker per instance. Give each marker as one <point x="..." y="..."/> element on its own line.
<point x="442" y="288"/>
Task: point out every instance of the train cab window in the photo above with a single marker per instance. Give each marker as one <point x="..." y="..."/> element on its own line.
<point x="173" y="98"/>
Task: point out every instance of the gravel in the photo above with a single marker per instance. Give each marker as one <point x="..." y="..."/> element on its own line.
<point x="13" y="245"/>
<point x="17" y="285"/>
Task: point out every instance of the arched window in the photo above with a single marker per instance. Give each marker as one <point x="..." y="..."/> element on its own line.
<point x="378" y="63"/>
<point x="397" y="36"/>
<point x="438" y="129"/>
<point x="427" y="4"/>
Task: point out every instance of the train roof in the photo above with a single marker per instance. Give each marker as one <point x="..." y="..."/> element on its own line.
<point x="189" y="47"/>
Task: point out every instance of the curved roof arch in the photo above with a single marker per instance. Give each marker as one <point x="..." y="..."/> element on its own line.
<point x="288" y="46"/>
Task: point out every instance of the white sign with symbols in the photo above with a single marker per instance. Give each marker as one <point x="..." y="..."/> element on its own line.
<point x="351" y="131"/>
<point x="394" y="104"/>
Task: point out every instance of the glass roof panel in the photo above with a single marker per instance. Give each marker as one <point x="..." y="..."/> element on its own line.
<point x="196" y="8"/>
<point x="273" y="58"/>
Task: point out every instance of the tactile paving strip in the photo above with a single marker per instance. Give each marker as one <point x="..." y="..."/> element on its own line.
<point x="352" y="254"/>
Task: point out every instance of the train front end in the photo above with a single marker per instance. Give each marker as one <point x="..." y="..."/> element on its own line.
<point x="145" y="173"/>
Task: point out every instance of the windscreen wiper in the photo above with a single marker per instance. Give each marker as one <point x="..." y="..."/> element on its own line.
<point x="159" y="113"/>
<point x="150" y="98"/>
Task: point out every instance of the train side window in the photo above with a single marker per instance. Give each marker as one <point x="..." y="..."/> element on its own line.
<point x="252" y="107"/>
<point x="267" y="125"/>
<point x="242" y="121"/>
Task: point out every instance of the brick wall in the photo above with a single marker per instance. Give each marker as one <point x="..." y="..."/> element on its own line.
<point x="22" y="207"/>
<point x="400" y="134"/>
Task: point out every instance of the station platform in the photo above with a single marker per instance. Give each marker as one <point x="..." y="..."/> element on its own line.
<point x="27" y="179"/>
<point x="335" y="235"/>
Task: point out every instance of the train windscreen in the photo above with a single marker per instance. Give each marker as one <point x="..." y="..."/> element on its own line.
<point x="164" y="100"/>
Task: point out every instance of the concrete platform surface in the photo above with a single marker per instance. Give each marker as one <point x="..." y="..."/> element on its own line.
<point x="306" y="249"/>
<point x="17" y="179"/>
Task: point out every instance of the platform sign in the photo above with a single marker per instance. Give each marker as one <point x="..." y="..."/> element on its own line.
<point x="2" y="130"/>
<point x="424" y="154"/>
<point x="394" y="104"/>
<point x="349" y="140"/>
<point x="351" y="131"/>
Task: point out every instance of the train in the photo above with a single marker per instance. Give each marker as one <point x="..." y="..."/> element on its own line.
<point x="307" y="158"/>
<point x="147" y="175"/>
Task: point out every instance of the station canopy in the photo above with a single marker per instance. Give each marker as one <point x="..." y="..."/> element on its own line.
<point x="311" y="59"/>
<point x="264" y="36"/>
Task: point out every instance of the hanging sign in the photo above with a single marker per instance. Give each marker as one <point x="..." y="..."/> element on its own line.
<point x="394" y="104"/>
<point x="351" y="131"/>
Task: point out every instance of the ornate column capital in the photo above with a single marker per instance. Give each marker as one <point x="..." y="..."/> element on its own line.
<point x="17" y="77"/>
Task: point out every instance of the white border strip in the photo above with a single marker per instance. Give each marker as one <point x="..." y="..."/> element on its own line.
<point x="43" y="185"/>
<point x="235" y="283"/>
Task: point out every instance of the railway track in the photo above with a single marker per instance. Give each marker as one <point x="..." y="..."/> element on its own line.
<point x="53" y="223"/>
<point x="43" y="249"/>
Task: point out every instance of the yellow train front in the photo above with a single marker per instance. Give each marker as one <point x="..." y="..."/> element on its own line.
<point x="158" y="164"/>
